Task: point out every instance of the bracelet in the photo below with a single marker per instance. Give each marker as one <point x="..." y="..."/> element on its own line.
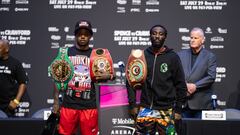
<point x="16" y="101"/>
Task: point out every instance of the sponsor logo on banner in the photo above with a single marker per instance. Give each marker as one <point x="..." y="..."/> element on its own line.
<point x="137" y="6"/>
<point x="4" y="9"/>
<point x="21" y="9"/>
<point x="70" y="37"/>
<point x="55" y="45"/>
<point x="55" y="37"/>
<point x="152" y="2"/>
<point x="50" y="101"/>
<point x="122" y="121"/>
<point x="208" y="30"/>
<point x="151" y="10"/>
<point x="216" y="46"/>
<point x="221" y="103"/>
<point x="53" y="29"/>
<point x="222" y="31"/>
<point x="26" y="66"/>
<point x="22" y="2"/>
<point x="185" y="45"/>
<point x="135" y="10"/>
<point x="5" y="2"/>
<point x="183" y="30"/>
<point x="66" y="29"/>
<point x="186" y="38"/>
<point x="121" y="2"/>
<point x="122" y="126"/>
<point x="13" y="6"/>
<point x="136" y="2"/>
<point x="217" y="39"/>
<point x="121" y="10"/>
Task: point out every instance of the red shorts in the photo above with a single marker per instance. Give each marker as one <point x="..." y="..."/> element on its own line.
<point x="87" y="119"/>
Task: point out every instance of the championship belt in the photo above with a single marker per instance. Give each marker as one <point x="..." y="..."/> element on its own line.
<point x="100" y="63"/>
<point x="61" y="69"/>
<point x="136" y="69"/>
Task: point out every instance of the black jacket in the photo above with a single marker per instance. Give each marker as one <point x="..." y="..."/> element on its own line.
<point x="165" y="84"/>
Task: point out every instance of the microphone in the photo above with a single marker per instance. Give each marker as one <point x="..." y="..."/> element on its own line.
<point x="60" y="98"/>
<point x="121" y="66"/>
<point x="214" y="102"/>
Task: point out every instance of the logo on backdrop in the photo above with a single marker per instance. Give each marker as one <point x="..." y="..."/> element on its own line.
<point x="72" y="4"/>
<point x="202" y="4"/>
<point x="23" y="109"/>
<point x="137" y="6"/>
<point x="122" y="126"/>
<point x="18" y="6"/>
<point x="221" y="73"/>
<point x="16" y="37"/>
<point x="132" y="38"/>
<point x="26" y="65"/>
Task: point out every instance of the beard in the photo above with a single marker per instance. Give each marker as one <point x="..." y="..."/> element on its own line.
<point x="82" y="43"/>
<point x="157" y="45"/>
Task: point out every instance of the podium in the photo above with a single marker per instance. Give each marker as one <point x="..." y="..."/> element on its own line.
<point x="113" y="110"/>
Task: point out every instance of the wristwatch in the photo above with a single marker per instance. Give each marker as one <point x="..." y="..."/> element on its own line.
<point x="61" y="69"/>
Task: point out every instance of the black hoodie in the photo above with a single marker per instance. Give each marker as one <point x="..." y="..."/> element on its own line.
<point x="165" y="84"/>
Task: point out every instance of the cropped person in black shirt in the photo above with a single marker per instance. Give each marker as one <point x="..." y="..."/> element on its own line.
<point x="13" y="80"/>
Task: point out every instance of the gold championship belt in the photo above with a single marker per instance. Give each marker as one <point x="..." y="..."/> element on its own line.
<point x="61" y="69"/>
<point x="100" y="63"/>
<point x="136" y="69"/>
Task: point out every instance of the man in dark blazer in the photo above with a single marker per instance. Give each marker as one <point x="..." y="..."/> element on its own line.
<point x="199" y="67"/>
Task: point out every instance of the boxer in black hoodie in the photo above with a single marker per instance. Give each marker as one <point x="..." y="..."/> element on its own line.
<point x="164" y="90"/>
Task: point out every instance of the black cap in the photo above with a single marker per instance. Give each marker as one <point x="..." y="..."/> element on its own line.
<point x="83" y="24"/>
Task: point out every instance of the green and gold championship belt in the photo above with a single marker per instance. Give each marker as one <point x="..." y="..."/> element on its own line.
<point x="61" y="69"/>
<point x="136" y="69"/>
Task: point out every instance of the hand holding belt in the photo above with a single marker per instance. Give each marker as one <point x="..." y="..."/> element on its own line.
<point x="61" y="69"/>
<point x="136" y="69"/>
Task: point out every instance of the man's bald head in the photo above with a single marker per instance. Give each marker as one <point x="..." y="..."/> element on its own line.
<point x="4" y="49"/>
